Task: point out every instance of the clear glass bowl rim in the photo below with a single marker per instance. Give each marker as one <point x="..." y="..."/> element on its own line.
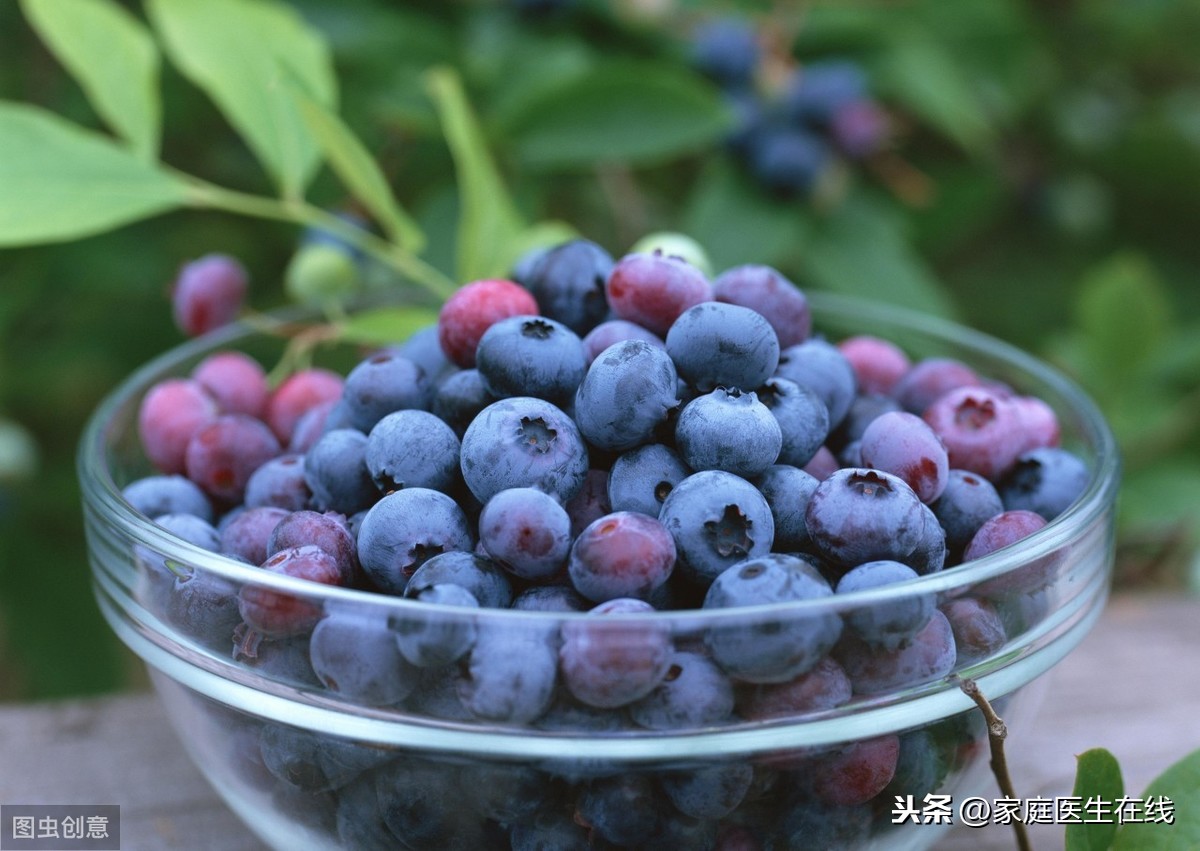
<point x="101" y="492"/>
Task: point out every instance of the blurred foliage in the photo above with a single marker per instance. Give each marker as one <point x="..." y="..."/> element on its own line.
<point x="1042" y="184"/>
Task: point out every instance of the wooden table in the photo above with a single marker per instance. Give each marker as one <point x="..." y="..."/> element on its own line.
<point x="1133" y="686"/>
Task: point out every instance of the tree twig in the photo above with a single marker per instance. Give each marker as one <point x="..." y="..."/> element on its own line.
<point x="997" y="733"/>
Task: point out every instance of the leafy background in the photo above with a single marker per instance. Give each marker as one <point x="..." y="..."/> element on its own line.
<point x="1043" y="185"/>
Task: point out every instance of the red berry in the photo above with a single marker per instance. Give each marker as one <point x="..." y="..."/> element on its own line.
<point x="223" y="454"/>
<point x="276" y="614"/>
<point x="299" y="393"/>
<point x="653" y="290"/>
<point x="208" y="293"/>
<point x="468" y="313"/>
<point x="878" y="364"/>
<point x="171" y="412"/>
<point x="236" y="380"/>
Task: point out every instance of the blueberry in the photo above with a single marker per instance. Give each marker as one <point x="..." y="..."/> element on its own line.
<point x="968" y="501"/>
<point x="510" y="674"/>
<point x="568" y="282"/>
<point x="623" y="810"/>
<point x="929" y="556"/>
<point x="770" y="648"/>
<point x="889" y="625"/>
<point x="478" y="574"/>
<point x="717" y="519"/>
<point x="624" y="396"/>
<point x="420" y="806"/>
<point x="715" y="344"/>
<point x="204" y="606"/>
<point x="726" y="50"/>
<point x="1045" y="480"/>
<point x="167" y="494"/>
<point x="858" y="515"/>
<point x="802" y="416"/>
<point x="591" y="503"/>
<point x="355" y="656"/>
<point x="358" y="820"/>
<point x="977" y="626"/>
<point x="412" y="449"/>
<point x="335" y="470"/>
<point x="614" y="655"/>
<point x="280" y="483"/>
<point x="728" y="430"/>
<point x="531" y="356"/>
<point x="459" y="398"/>
<point x="929" y="656"/>
<point x="506" y="793"/>
<point x="550" y="830"/>
<point x="789" y="161"/>
<point x="641" y="478"/>
<point x="860" y="128"/>
<point x="711" y="791"/>
<point x="921" y="766"/>
<point x="551" y="598"/>
<point x="425" y="350"/>
<point x="855" y="773"/>
<point x="865" y="408"/>
<point x="406" y="528"/>
<point x="436" y="638"/>
<point x="381" y="384"/>
<point x="816" y="91"/>
<point x="824" y="687"/>
<point x="192" y="529"/>
<point x="787" y="490"/>
<point x="523" y="442"/>
<point x="694" y="693"/>
<point x="819" y="366"/>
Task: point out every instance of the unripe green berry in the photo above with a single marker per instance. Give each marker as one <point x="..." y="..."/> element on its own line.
<point x="319" y="274"/>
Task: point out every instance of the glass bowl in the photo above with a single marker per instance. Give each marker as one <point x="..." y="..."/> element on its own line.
<point x="478" y="747"/>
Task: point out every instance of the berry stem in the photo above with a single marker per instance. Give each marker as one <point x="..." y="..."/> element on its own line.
<point x="997" y="733"/>
<point x="298" y="211"/>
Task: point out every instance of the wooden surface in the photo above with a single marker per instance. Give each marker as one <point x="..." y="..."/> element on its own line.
<point x="1133" y="687"/>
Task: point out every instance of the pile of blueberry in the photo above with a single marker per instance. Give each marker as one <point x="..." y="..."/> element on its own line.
<point x="789" y="139"/>
<point x="612" y="438"/>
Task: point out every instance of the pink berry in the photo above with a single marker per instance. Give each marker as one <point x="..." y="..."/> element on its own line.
<point x="822" y="465"/>
<point x="299" y="393"/>
<point x="982" y="430"/>
<point x="208" y="293"/>
<point x="616" y="331"/>
<point x="236" y="380"/>
<point x="171" y="412"/>
<point x="222" y="455"/>
<point x="930" y="379"/>
<point x="653" y="290"/>
<point x="769" y="293"/>
<point x="856" y="773"/>
<point x="878" y="364"/>
<point x="472" y="310"/>
<point x="1005" y="529"/>
<point x="904" y="445"/>
<point x="1039" y="423"/>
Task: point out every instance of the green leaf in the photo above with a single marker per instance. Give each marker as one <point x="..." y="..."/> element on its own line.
<point x="60" y="182"/>
<point x="1097" y="775"/>
<point x="918" y="72"/>
<point x="358" y="170"/>
<point x="736" y="223"/>
<point x="624" y="113"/>
<point x="385" y="326"/>
<point x="114" y="58"/>
<point x="488" y="222"/>
<point x="1181" y="785"/>
<point x="1123" y="317"/>
<point x="861" y="249"/>
<point x="242" y="52"/>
